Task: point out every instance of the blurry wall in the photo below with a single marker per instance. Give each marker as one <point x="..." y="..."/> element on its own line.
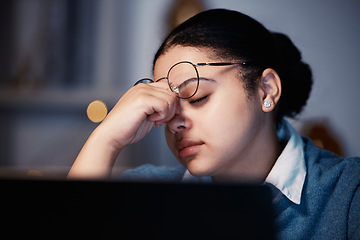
<point x="59" y="55"/>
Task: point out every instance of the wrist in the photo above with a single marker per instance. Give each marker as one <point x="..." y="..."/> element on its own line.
<point x="103" y="138"/>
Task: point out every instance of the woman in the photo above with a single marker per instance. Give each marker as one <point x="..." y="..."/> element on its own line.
<point x="223" y="85"/>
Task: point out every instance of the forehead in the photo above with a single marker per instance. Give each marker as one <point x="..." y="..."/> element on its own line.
<point x="177" y="54"/>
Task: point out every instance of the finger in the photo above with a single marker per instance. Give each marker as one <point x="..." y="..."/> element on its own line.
<point x="160" y="111"/>
<point x="170" y="115"/>
<point x="156" y="100"/>
<point x="153" y="88"/>
<point x="161" y="84"/>
<point x="163" y="110"/>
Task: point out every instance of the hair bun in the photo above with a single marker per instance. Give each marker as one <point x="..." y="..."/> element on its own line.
<point x="296" y="77"/>
<point x="286" y="47"/>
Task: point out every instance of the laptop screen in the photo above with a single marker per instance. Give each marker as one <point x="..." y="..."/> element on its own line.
<point x="137" y="210"/>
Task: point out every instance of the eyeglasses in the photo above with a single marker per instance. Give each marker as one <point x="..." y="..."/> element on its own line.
<point x="183" y="77"/>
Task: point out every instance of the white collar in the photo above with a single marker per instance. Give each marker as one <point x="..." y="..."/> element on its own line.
<point x="289" y="171"/>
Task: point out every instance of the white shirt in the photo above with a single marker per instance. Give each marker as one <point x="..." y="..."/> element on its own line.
<point x="289" y="171"/>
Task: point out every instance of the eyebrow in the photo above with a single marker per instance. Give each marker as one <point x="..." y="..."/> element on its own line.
<point x="190" y="80"/>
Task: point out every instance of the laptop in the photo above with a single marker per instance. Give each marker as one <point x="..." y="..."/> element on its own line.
<point x="135" y="210"/>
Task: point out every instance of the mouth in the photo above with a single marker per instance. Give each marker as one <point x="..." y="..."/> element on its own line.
<point x="187" y="148"/>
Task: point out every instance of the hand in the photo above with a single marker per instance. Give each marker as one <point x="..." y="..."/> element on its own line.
<point x="132" y="118"/>
<point x="138" y="111"/>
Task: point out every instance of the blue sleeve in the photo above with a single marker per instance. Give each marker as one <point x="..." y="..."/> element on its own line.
<point x="150" y="172"/>
<point x="354" y="216"/>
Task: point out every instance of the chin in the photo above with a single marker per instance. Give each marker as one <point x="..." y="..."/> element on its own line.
<point x="199" y="169"/>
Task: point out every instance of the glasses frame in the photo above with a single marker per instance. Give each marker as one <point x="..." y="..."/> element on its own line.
<point x="195" y="65"/>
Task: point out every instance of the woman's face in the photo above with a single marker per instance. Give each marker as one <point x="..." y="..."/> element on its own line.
<point x="215" y="131"/>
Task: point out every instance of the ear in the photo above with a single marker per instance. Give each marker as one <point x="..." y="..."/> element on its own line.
<point x="270" y="89"/>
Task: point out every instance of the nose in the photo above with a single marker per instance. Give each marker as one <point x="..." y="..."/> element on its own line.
<point x="178" y="123"/>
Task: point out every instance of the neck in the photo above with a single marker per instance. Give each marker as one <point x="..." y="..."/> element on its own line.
<point x="257" y="161"/>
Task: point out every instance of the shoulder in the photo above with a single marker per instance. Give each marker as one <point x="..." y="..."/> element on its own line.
<point x="150" y="172"/>
<point x="332" y="189"/>
<point x="354" y="216"/>
<point x="331" y="174"/>
<point x="325" y="162"/>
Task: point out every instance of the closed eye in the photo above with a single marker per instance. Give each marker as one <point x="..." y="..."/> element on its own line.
<point x="199" y="100"/>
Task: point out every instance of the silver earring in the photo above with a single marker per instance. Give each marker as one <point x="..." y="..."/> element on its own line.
<point x="267" y="104"/>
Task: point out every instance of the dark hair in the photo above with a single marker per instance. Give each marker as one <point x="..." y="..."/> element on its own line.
<point x="236" y="36"/>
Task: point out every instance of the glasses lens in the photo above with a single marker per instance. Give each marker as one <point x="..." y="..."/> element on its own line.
<point x="183" y="79"/>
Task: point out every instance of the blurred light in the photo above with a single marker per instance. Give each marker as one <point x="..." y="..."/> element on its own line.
<point x="96" y="111"/>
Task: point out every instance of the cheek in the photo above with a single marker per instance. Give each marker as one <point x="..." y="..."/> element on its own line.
<point x="230" y="125"/>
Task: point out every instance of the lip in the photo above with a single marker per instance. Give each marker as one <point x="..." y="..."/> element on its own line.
<point x="188" y="148"/>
